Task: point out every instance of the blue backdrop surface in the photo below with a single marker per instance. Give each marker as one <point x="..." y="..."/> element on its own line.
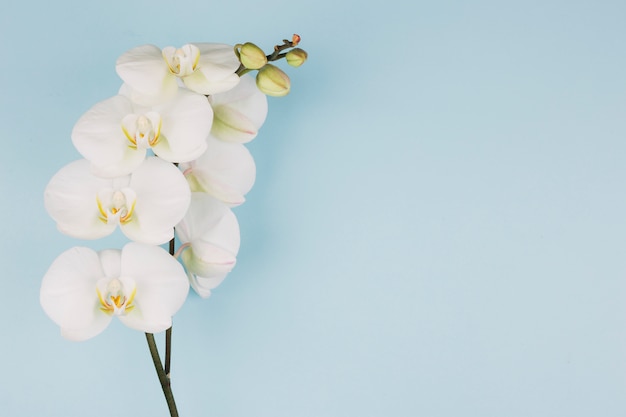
<point x="438" y="225"/>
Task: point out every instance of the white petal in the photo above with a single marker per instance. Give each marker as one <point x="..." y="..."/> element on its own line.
<point x="204" y="285"/>
<point x="163" y="197"/>
<point x="240" y="112"/>
<point x="68" y="294"/>
<point x="155" y="323"/>
<point x="225" y="171"/>
<point x="209" y="220"/>
<point x="202" y="82"/>
<point x="79" y="335"/>
<point x="216" y="68"/>
<point x="145" y="71"/>
<point x="110" y="261"/>
<point x="162" y="286"/>
<point x="231" y="125"/>
<point x="208" y="260"/>
<point x="220" y="57"/>
<point x="187" y="121"/>
<point x="70" y="199"/>
<point x="99" y="137"/>
<point x="213" y="232"/>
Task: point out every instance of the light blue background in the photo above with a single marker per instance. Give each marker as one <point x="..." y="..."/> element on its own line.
<point x="437" y="228"/>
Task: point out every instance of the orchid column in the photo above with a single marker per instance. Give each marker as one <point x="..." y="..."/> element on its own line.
<point x="164" y="157"/>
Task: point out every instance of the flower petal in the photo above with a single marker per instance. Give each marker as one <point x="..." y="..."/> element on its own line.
<point x="216" y="68"/>
<point x="203" y="82"/>
<point x="110" y="262"/>
<point x="226" y="171"/>
<point x="210" y="221"/>
<point x="208" y="260"/>
<point x="203" y="285"/>
<point x="162" y="286"/>
<point x="240" y="112"/>
<point x="162" y="200"/>
<point x="212" y="230"/>
<point x="232" y="126"/>
<point x="99" y="137"/>
<point x="186" y="122"/>
<point x="145" y="71"/>
<point x="68" y="294"/>
<point x="220" y="57"/>
<point x="70" y="199"/>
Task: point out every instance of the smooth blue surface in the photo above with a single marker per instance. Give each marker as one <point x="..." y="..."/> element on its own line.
<point x="437" y="228"/>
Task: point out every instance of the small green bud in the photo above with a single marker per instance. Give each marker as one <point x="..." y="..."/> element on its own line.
<point x="273" y="81"/>
<point x="296" y="57"/>
<point x="250" y="55"/>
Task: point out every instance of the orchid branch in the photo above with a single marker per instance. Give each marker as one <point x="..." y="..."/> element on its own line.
<point x="168" y="351"/>
<point x="163" y="379"/>
<point x="276" y="55"/>
<point x="164" y="374"/>
<point x="168" y="332"/>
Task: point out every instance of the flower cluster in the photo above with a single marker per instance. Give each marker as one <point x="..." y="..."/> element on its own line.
<point x="163" y="158"/>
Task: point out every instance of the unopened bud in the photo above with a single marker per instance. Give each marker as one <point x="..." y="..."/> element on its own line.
<point x="250" y="55"/>
<point x="273" y="81"/>
<point x="296" y="57"/>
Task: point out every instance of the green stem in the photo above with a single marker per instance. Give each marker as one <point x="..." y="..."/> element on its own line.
<point x="274" y="56"/>
<point x="163" y="379"/>
<point x="168" y="332"/>
<point x="168" y="351"/>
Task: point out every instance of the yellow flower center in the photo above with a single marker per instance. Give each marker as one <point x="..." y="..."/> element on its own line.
<point x="116" y="206"/>
<point x="114" y="300"/>
<point x="182" y="61"/>
<point x="142" y="131"/>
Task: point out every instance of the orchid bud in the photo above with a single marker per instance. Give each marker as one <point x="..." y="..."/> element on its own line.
<point x="296" y="57"/>
<point x="250" y="55"/>
<point x="273" y="81"/>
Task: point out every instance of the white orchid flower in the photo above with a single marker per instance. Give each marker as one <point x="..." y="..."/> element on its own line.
<point x="114" y="135"/>
<point x="146" y="204"/>
<point x="143" y="285"/>
<point x="210" y="239"/>
<point x="239" y="113"/>
<point x="153" y="74"/>
<point x="226" y="171"/>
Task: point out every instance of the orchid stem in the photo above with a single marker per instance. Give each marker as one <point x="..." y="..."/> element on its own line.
<point x="275" y="55"/>
<point x="168" y="351"/>
<point x="168" y="332"/>
<point x="163" y="379"/>
<point x="172" y="246"/>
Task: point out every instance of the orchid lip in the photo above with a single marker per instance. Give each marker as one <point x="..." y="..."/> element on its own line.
<point x="142" y="131"/>
<point x="182" y="61"/>
<point x="115" y="301"/>
<point x="116" y="207"/>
